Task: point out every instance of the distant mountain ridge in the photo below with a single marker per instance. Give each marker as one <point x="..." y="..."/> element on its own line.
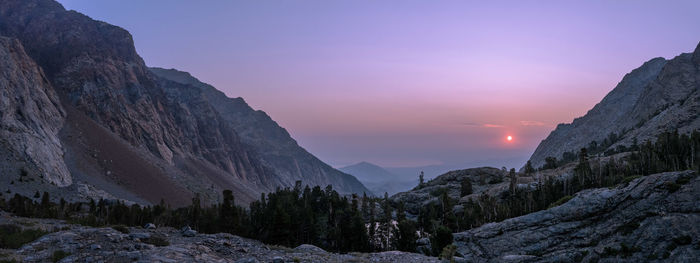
<point x="121" y="131"/>
<point x="380" y="180"/>
<point x="660" y="95"/>
<point x="368" y="172"/>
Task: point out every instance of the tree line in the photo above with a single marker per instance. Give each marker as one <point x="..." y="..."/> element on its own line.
<point x="671" y="151"/>
<point x="323" y="217"/>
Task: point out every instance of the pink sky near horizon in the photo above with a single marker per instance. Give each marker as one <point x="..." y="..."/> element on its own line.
<point x="408" y="83"/>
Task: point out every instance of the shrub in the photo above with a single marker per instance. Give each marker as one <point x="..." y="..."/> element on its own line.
<point x="156" y="241"/>
<point x="629" y="179"/>
<point x="560" y="201"/>
<point x="58" y="255"/>
<point x="12" y="236"/>
<point x="671" y="186"/>
<point x="624" y="251"/>
<point x="121" y="228"/>
<point x="682" y="180"/>
<point x="683" y="240"/>
<point x="448" y="253"/>
<point x="438" y="191"/>
<point x="442" y="238"/>
<point x="628" y="228"/>
<point x="496" y="180"/>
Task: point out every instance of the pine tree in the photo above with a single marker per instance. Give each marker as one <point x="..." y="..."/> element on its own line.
<point x="372" y="225"/>
<point x="583" y="169"/>
<point x="405" y="236"/>
<point x="441" y="238"/>
<point x="195" y="211"/>
<point x="549" y="163"/>
<point x="466" y="187"/>
<point x="46" y="205"/>
<point x="528" y="168"/>
<point x="228" y="218"/>
<point x="365" y="206"/>
<point x="421" y="180"/>
<point x="513" y="181"/>
<point x="387" y="222"/>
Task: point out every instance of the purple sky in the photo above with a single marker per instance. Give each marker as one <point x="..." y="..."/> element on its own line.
<point x="408" y="83"/>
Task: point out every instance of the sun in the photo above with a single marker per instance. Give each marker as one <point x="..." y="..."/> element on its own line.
<point x="509" y="138"/>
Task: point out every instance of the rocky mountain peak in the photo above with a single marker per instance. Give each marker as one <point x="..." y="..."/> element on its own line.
<point x="31" y="117"/>
<point x="659" y="95"/>
<point x="276" y="148"/>
<point x="141" y="136"/>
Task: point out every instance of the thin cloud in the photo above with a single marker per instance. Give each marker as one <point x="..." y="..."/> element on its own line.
<point x="470" y="124"/>
<point x="532" y="123"/>
<point x="488" y="125"/>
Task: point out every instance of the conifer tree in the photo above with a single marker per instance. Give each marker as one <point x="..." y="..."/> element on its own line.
<point x="441" y="238"/>
<point x="387" y="222"/>
<point x="513" y="181"/>
<point x="465" y="187"/>
<point x="228" y="218"/>
<point x="421" y="180"/>
<point x="528" y="168"/>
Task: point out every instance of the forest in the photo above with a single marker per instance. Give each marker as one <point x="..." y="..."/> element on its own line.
<point x="322" y="217"/>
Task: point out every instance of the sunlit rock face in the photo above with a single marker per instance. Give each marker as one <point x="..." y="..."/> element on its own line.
<point x="30" y="117"/>
<point x="659" y="96"/>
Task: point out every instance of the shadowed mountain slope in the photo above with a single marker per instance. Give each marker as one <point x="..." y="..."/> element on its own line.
<point x="660" y="95"/>
<point x="134" y="135"/>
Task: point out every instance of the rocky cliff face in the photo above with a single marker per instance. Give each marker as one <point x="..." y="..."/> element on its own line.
<point x="660" y="95"/>
<point x="30" y="117"/>
<point x="133" y="133"/>
<point x="275" y="147"/>
<point x="651" y="218"/>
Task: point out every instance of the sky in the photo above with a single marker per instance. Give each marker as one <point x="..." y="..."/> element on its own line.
<point x="408" y="83"/>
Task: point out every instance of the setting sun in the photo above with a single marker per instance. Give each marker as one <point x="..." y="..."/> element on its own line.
<point x="509" y="138"/>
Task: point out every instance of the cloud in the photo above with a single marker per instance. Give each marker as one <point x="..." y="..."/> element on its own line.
<point x="532" y="123"/>
<point x="488" y="125"/>
<point x="470" y="124"/>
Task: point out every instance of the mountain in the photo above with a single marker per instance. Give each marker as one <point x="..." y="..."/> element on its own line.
<point x="640" y="221"/>
<point x="378" y="179"/>
<point x="117" y="130"/>
<point x="367" y="172"/>
<point x="31" y="117"/>
<point x="276" y="149"/>
<point x="660" y="95"/>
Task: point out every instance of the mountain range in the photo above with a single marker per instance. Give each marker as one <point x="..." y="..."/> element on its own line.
<point x="83" y="116"/>
<point x="661" y="95"/>
<point x="633" y="199"/>
<point x="380" y="180"/>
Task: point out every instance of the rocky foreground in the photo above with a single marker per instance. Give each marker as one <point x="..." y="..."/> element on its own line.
<point x="87" y="244"/>
<point x="653" y="218"/>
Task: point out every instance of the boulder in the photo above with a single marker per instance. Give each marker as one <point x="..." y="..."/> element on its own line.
<point x="637" y="221"/>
